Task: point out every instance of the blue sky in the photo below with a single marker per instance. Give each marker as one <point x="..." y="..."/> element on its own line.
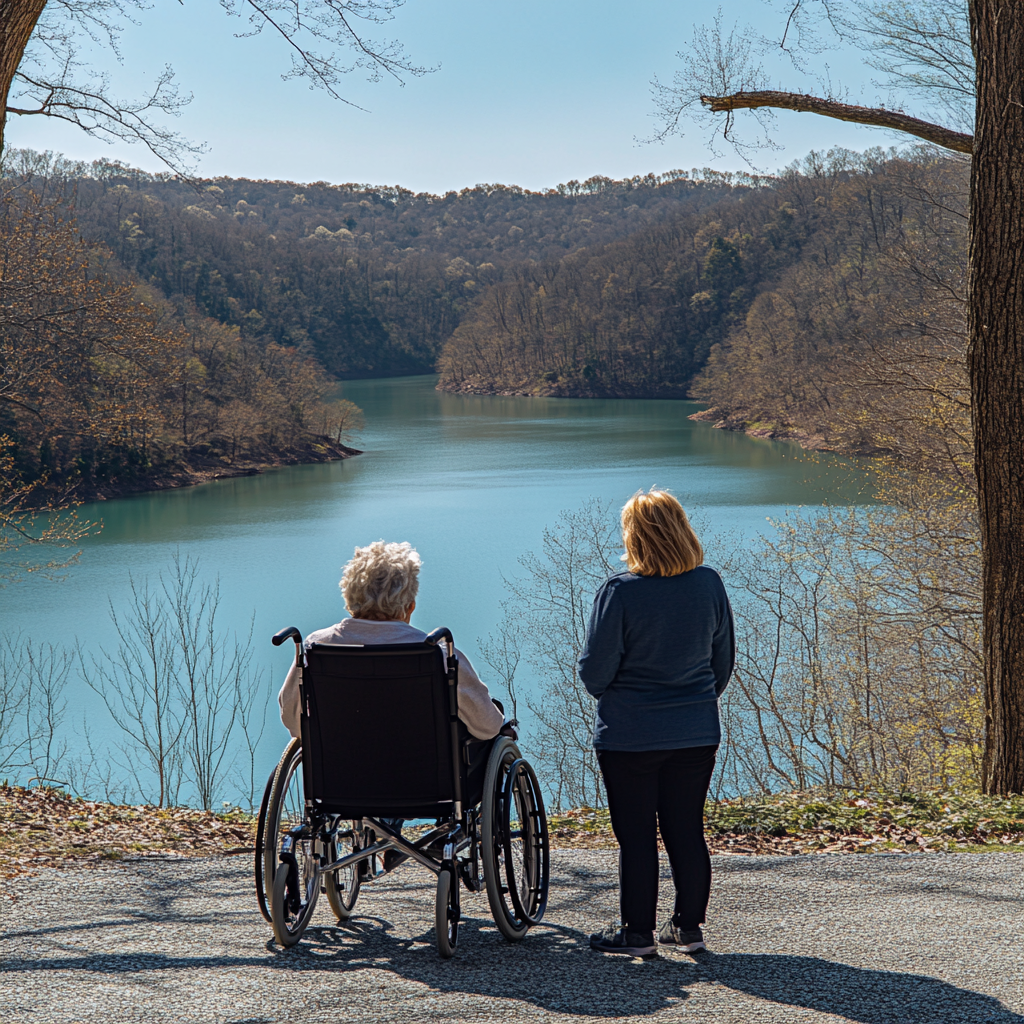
<point x="531" y="93"/>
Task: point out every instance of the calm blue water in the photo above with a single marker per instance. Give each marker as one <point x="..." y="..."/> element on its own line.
<point x="470" y="481"/>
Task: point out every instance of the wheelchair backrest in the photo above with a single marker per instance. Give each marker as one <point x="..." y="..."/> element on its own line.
<point x="376" y="731"/>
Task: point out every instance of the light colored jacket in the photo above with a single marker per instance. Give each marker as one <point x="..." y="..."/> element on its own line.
<point x="476" y="709"/>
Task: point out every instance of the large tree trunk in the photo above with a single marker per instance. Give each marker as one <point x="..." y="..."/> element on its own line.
<point x="17" y="21"/>
<point x="996" y="359"/>
<point x="996" y="356"/>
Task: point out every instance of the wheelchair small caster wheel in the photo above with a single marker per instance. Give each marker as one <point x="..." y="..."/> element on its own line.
<point x="447" y="913"/>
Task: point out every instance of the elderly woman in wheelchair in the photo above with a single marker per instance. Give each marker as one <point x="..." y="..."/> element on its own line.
<point x="389" y="724"/>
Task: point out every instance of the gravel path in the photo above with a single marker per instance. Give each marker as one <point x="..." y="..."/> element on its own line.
<point x="868" y="938"/>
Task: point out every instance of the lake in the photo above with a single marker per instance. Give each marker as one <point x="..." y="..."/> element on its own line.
<point x="470" y="481"/>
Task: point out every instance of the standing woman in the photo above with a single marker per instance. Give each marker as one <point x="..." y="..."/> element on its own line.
<point x="659" y="652"/>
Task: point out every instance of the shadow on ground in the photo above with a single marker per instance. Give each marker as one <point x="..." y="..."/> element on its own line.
<point x="554" y="970"/>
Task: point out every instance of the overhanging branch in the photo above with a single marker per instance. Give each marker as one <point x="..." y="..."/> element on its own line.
<point x="876" y="116"/>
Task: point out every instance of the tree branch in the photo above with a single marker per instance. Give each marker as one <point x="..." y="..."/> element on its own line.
<point x="91" y="107"/>
<point x="879" y="117"/>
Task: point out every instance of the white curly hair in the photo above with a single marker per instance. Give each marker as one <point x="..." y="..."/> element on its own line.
<point x="381" y="580"/>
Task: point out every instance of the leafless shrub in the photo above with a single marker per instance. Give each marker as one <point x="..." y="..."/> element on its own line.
<point x="548" y="609"/>
<point x="138" y="684"/>
<point x="212" y="675"/>
<point x="177" y="688"/>
<point x="33" y="680"/>
<point x="90" y="773"/>
<point x="859" y="655"/>
<point x="252" y="699"/>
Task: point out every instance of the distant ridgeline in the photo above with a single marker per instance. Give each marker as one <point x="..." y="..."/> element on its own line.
<point x="371" y="281"/>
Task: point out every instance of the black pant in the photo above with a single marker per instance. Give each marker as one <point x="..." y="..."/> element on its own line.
<point x="667" y="788"/>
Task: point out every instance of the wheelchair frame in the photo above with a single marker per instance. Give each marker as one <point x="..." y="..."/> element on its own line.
<point x="500" y="846"/>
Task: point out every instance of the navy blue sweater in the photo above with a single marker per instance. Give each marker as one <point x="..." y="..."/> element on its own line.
<point x="659" y="653"/>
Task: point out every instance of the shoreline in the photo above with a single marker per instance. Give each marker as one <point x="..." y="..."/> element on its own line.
<point x="204" y="470"/>
<point x="806" y="439"/>
<point x="536" y="389"/>
<point x="719" y="420"/>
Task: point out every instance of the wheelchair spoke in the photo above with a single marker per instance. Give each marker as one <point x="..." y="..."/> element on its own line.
<point x="514" y="842"/>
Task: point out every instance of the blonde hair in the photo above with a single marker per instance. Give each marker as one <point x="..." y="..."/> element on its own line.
<point x="381" y="580"/>
<point x="658" y="537"/>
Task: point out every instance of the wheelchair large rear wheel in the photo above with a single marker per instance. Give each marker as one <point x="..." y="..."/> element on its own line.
<point x="292" y="902"/>
<point x="264" y="882"/>
<point x="342" y="887"/>
<point x="514" y="842"/>
<point x="276" y="819"/>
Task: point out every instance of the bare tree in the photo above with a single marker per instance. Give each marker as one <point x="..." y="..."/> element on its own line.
<point x="33" y="684"/>
<point x="13" y="698"/>
<point x="922" y="51"/>
<point x="503" y="652"/>
<point x="964" y="61"/>
<point x="547" y="614"/>
<point x="42" y="71"/>
<point x="340" y="420"/>
<point x="47" y="668"/>
<point x="179" y="689"/>
<point x="213" y="675"/>
<point x="138" y="683"/>
<point x="859" y="662"/>
<point x="252" y="699"/>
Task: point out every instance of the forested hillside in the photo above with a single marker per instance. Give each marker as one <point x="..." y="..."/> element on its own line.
<point x="155" y="331"/>
<point x="773" y="283"/>
<point x="108" y="386"/>
<point x="371" y="281"/>
<point x="634" y="317"/>
<point x="861" y="342"/>
<point x="768" y="298"/>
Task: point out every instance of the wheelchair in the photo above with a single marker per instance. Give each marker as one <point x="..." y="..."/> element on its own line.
<point x="381" y="740"/>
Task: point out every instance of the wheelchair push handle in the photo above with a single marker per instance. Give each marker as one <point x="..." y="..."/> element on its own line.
<point x="291" y="633"/>
<point x="443" y="633"/>
<point x="439" y="634"/>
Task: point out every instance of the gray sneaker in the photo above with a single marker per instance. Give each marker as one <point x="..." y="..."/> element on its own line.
<point x="688" y="940"/>
<point x="622" y="940"/>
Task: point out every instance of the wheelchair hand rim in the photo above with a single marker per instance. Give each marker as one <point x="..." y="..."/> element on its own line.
<point x="537" y="837"/>
<point x="261" y="844"/>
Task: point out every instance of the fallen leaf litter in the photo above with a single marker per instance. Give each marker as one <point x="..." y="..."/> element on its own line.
<point x="47" y="828"/>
